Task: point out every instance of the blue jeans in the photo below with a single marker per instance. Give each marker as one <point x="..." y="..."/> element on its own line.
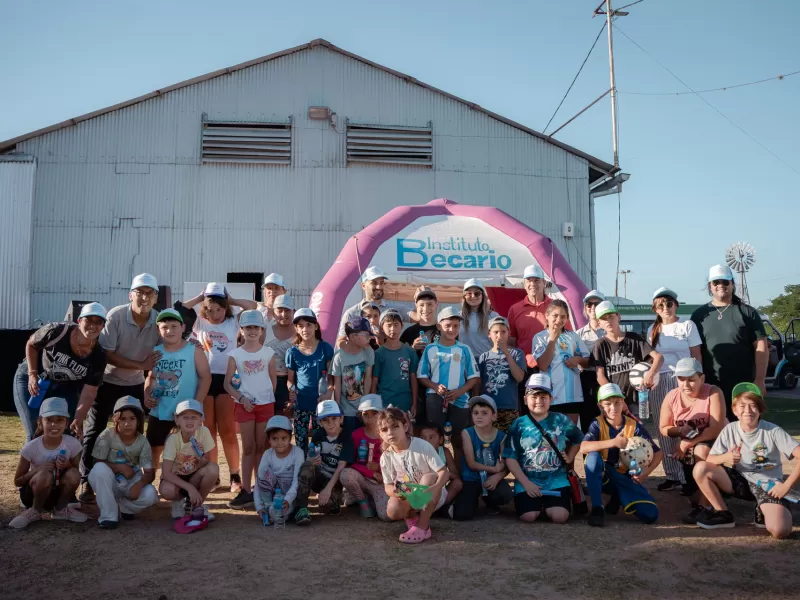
<point x="28" y="415"/>
<point x="602" y="477"/>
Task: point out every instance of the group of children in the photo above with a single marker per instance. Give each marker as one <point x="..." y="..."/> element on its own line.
<point x="354" y="431"/>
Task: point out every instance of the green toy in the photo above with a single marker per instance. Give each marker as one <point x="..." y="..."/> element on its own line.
<point x="416" y="494"/>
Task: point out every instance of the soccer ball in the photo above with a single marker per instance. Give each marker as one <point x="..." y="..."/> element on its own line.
<point x="637" y="373"/>
<point x="638" y="448"/>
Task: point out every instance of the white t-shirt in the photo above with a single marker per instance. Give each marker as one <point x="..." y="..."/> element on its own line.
<point x="253" y="368"/>
<point x="477" y="340"/>
<point x="217" y="340"/>
<point x="674" y="342"/>
<point x="36" y="454"/>
<point x="420" y="458"/>
<point x="285" y="469"/>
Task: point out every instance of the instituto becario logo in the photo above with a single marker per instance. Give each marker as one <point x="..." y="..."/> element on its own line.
<point x="449" y="254"/>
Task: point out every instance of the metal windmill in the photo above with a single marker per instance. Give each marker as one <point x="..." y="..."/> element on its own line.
<point x="740" y="258"/>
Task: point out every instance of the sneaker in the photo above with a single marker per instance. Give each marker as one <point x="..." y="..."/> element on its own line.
<point x="335" y="509"/>
<point x="668" y="485"/>
<point x="209" y="516"/>
<point x="687" y="490"/>
<point x="597" y="517"/>
<point x="716" y="519"/>
<point x="178" y="509"/>
<point x="25" y="518"/>
<point x="302" y="517"/>
<point x="758" y="518"/>
<point x="69" y="514"/>
<point x="613" y="505"/>
<point x="243" y="500"/>
<point x="236" y="483"/>
<point x="87" y="493"/>
<point x="694" y="514"/>
<point x="127" y="516"/>
<point x="108" y="524"/>
<point x="365" y="509"/>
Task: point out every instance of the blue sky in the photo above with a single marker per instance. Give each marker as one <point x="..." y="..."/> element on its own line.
<point x="698" y="184"/>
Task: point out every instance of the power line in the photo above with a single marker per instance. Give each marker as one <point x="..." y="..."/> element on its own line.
<point x="575" y="79"/>
<point x="719" y="112"/>
<point x="719" y="89"/>
<point x="627" y="5"/>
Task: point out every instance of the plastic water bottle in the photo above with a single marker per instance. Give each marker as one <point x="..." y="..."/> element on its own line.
<point x="121" y="460"/>
<point x="448" y="432"/>
<point x="236" y="381"/>
<point x="644" y="404"/>
<point x="768" y="484"/>
<point x="61" y="454"/>
<point x="634" y="468"/>
<point x="423" y="336"/>
<point x="36" y="401"/>
<point x="322" y="388"/>
<point x="278" y="520"/>
<point x="488" y="459"/>
<point x="313" y="451"/>
<point x="362" y="452"/>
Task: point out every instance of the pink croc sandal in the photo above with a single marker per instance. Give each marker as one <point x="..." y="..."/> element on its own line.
<point x="415" y="535"/>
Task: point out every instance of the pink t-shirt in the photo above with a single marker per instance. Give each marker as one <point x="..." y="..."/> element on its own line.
<point x="373" y="453"/>
<point x="698" y="415"/>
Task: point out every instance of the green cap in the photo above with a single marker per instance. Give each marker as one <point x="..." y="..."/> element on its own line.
<point x="169" y="314"/>
<point x="606" y="307"/>
<point x="741" y="388"/>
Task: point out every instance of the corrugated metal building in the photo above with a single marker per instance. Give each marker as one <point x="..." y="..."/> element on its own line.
<point x="232" y="172"/>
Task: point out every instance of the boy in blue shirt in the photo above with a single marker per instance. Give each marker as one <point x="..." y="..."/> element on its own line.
<point x="607" y="435"/>
<point x="448" y="370"/>
<point x="502" y="370"/>
<point x="394" y="374"/>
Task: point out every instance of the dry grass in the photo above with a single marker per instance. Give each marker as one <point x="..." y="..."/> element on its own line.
<point x="346" y="556"/>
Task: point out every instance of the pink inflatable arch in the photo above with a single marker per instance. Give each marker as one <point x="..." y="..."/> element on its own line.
<point x="330" y="295"/>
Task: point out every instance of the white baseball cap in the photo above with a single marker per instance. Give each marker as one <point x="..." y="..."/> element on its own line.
<point x="539" y="381"/>
<point x="274" y="278"/>
<point x="606" y="307"/>
<point x="215" y="290"/>
<point x="370" y="402"/>
<point x="304" y="313"/>
<point x="594" y="294"/>
<point x="283" y="301"/>
<point x="93" y="309"/>
<point x="189" y="405"/>
<point x="448" y="312"/>
<point x="279" y="422"/>
<point x="665" y="291"/>
<point x="686" y="367"/>
<point x="533" y="271"/>
<point x="720" y="272"/>
<point x="470" y="283"/>
<point x="609" y="390"/>
<point x="54" y="407"/>
<point x="128" y="403"/>
<point x="373" y="273"/>
<point x="499" y="321"/>
<point x="482" y="399"/>
<point x="144" y="280"/>
<point x="328" y="408"/>
<point x="248" y="318"/>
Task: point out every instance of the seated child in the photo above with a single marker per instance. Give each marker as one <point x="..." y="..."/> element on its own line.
<point x="362" y="479"/>
<point x="434" y="435"/>
<point x="483" y="470"/>
<point x="123" y="473"/>
<point x="47" y="474"/>
<point x="279" y="469"/>
<point x="745" y="462"/>
<point x="541" y="474"/>
<point x="321" y="474"/>
<point x="187" y="475"/>
<point x="607" y="435"/>
<point x="407" y="459"/>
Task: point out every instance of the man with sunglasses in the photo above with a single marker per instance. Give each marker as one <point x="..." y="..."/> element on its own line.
<point x="128" y="338"/>
<point x="734" y="341"/>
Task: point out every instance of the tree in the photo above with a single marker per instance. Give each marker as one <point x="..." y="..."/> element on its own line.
<point x="784" y="308"/>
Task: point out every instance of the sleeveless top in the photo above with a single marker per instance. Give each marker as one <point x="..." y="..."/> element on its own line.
<point x="698" y="415"/>
<point x="629" y="429"/>
<point x="484" y="453"/>
<point x="176" y="380"/>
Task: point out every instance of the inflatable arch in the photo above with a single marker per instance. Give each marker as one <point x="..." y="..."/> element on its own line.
<point x="443" y="242"/>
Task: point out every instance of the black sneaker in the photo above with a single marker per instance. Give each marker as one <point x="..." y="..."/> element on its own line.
<point x="688" y="490"/>
<point x="243" y="501"/>
<point x="108" y="524"/>
<point x="335" y="509"/>
<point x="127" y="516"/>
<point x="668" y="485"/>
<point x="613" y="505"/>
<point x="716" y="519"/>
<point x="597" y="517"/>
<point x="758" y="518"/>
<point x="301" y="517"/>
<point x="694" y="514"/>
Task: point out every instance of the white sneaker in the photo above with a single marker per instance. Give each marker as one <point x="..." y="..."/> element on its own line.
<point x="208" y="515"/>
<point x="69" y="514"/>
<point x="25" y="518"/>
<point x="178" y="509"/>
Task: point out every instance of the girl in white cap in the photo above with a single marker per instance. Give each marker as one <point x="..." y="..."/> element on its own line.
<point x="674" y="338"/>
<point x="476" y="312"/>
<point x="282" y="338"/>
<point x="216" y="328"/>
<point x="47" y="473"/>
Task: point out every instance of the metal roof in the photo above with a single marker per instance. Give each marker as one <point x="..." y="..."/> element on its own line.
<point x="600" y="167"/>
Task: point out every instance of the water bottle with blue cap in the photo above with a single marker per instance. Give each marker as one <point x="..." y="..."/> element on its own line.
<point x="278" y="519"/>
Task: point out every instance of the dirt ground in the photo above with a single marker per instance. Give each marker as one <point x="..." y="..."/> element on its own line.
<point x="345" y="556"/>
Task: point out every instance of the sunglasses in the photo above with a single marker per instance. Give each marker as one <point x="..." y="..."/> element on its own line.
<point x="666" y="304"/>
<point x="592" y="304"/>
<point x="721" y="282"/>
<point x="473" y="293"/>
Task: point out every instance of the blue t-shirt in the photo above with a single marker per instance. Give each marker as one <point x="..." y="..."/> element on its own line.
<point x="176" y="380"/>
<point x="393" y="368"/>
<point x="496" y="378"/>
<point x="308" y="369"/>
<point x="535" y="455"/>
<point x="593" y="435"/>
<point x="450" y="366"/>
<point x="486" y="453"/>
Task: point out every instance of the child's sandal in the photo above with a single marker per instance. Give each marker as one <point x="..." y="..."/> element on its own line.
<point x="415" y="535"/>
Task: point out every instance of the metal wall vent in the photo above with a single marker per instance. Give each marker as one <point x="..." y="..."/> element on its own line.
<point x="247" y="142"/>
<point x="390" y="144"/>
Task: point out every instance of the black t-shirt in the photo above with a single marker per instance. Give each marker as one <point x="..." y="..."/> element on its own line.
<point x="412" y="333"/>
<point x="333" y="450"/>
<point x="61" y="364"/>
<point x="729" y="336"/>
<point x="618" y="358"/>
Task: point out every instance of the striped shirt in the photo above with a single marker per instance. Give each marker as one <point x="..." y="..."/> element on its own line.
<point x="449" y="366"/>
<point x="566" y="382"/>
